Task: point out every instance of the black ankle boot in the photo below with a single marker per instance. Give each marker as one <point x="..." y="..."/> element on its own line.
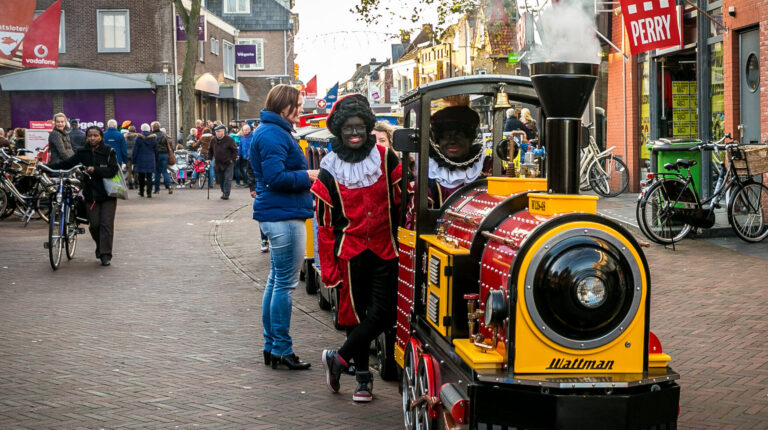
<point x="291" y="361"/>
<point x="267" y="358"/>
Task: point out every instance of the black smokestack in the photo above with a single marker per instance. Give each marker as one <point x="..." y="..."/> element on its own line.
<point x="564" y="90"/>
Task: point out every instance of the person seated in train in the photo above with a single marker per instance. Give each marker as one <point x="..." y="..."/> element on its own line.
<point x="456" y="157"/>
<point x="356" y="207"/>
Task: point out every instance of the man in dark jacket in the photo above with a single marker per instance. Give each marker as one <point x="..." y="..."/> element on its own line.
<point x="513" y="123"/>
<point x="223" y="150"/>
<point x="100" y="162"/>
<point x="76" y="136"/>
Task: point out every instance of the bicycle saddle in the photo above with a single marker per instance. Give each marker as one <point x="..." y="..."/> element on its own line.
<point x="685" y="163"/>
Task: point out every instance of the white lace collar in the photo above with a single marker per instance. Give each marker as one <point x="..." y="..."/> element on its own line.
<point x="362" y="174"/>
<point x="453" y="178"/>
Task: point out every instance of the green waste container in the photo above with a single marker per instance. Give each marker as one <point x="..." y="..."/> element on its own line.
<point x="665" y="151"/>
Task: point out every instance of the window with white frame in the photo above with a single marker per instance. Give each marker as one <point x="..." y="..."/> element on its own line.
<point x="228" y="59"/>
<point x="201" y="50"/>
<point x="114" y="31"/>
<point x="259" y="43"/>
<point x="62" y="34"/>
<point x="214" y="46"/>
<point x="237" y="6"/>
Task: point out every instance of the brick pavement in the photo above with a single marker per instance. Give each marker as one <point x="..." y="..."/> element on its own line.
<point x="169" y="336"/>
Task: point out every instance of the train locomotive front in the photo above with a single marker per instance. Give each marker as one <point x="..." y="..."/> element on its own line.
<point x="518" y="305"/>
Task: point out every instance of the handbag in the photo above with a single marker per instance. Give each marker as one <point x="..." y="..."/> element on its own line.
<point x="171" y="155"/>
<point x="115" y="186"/>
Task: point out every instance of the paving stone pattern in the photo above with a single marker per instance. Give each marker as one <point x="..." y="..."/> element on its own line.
<point x="169" y="336"/>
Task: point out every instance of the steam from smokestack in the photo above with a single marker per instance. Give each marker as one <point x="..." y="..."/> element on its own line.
<point x="567" y="34"/>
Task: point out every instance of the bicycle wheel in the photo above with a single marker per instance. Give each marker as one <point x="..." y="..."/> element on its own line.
<point x="659" y="211"/>
<point x="608" y="176"/>
<point x="3" y="201"/>
<point x="55" y="239"/>
<point x="71" y="232"/>
<point x="748" y="211"/>
<point x="202" y="178"/>
<point x="42" y="203"/>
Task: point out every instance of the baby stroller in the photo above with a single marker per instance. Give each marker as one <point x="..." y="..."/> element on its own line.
<point x="182" y="170"/>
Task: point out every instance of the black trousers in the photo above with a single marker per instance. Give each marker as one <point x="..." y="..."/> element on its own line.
<point x="374" y="291"/>
<point x="101" y="219"/>
<point x="145" y="178"/>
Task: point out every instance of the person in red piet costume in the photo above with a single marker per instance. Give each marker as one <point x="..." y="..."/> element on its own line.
<point x="357" y="200"/>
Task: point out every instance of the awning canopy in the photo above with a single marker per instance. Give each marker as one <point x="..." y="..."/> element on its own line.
<point x="235" y="92"/>
<point x="207" y="83"/>
<point x="68" y="79"/>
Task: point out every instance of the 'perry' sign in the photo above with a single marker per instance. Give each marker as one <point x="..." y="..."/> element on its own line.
<point x="651" y="24"/>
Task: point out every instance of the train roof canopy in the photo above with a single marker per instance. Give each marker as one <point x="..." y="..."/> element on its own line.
<point x="519" y="87"/>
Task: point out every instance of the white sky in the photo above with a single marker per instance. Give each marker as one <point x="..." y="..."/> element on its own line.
<point x="331" y="40"/>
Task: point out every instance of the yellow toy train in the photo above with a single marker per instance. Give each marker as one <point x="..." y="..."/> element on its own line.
<point x="519" y="306"/>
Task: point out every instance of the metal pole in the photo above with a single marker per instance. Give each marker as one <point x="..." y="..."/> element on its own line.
<point x="175" y="65"/>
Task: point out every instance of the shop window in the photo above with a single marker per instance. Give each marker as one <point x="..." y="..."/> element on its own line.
<point x="678" y="96"/>
<point x="113" y="30"/>
<point x="645" y="106"/>
<point x="717" y="105"/>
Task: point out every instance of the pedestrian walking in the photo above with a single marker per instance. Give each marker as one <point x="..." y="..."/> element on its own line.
<point x="357" y="204"/>
<point x="76" y="136"/>
<point x="223" y="150"/>
<point x="163" y="154"/>
<point x="116" y="140"/>
<point x="59" y="146"/>
<point x="20" y="142"/>
<point x="282" y="204"/>
<point x="130" y="140"/>
<point x="143" y="156"/>
<point x="100" y="161"/>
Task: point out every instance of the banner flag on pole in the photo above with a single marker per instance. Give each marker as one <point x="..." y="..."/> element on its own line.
<point x="14" y="24"/>
<point x="650" y="24"/>
<point x="332" y="95"/>
<point x="41" y="45"/>
<point x="311" y="87"/>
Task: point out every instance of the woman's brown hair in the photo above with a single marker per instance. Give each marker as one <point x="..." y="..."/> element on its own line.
<point x="281" y="97"/>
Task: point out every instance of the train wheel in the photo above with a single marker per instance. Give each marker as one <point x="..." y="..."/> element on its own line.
<point x="335" y="308"/>
<point x="409" y="388"/>
<point x="321" y="301"/>
<point x="385" y="355"/>
<point x="424" y="380"/>
<point x="310" y="284"/>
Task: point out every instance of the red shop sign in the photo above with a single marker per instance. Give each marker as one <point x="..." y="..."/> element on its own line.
<point x="650" y="24"/>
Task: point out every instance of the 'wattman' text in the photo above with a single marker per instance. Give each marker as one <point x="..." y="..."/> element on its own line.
<point x="580" y="364"/>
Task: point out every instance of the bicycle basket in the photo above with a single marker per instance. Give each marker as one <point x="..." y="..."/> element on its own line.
<point x="27" y="165"/>
<point x="199" y="166"/>
<point x="750" y="160"/>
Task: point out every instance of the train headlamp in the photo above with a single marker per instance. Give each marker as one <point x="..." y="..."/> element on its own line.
<point x="591" y="292"/>
<point x="495" y="308"/>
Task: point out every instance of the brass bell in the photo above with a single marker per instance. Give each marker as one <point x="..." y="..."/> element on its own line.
<point x="502" y="99"/>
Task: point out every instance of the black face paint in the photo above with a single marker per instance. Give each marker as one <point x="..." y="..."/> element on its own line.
<point x="354" y="133"/>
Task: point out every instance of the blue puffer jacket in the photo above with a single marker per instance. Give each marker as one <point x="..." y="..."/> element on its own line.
<point x="116" y="140"/>
<point x="144" y="153"/>
<point x="280" y="170"/>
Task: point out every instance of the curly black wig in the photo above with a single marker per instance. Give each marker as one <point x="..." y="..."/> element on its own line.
<point x="347" y="107"/>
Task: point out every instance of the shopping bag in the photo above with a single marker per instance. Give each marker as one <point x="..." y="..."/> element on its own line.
<point x="115" y="186"/>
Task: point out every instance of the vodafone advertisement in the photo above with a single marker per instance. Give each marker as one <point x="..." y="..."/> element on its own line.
<point x="650" y="24"/>
<point x="37" y="134"/>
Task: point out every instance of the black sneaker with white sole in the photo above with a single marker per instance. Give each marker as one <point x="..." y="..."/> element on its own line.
<point x="364" y="391"/>
<point x="332" y="368"/>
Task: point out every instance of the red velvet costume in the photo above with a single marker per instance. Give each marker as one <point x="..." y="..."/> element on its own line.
<point x="351" y="221"/>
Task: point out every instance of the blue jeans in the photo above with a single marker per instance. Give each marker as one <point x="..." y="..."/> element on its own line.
<point x="287" y="240"/>
<point x="161" y="168"/>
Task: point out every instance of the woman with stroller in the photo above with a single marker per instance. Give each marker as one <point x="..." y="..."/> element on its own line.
<point x="357" y="201"/>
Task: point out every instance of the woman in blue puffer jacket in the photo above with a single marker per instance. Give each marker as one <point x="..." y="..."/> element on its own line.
<point x="282" y="204"/>
<point x="143" y="156"/>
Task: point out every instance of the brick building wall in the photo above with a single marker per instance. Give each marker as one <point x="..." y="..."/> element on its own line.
<point x="278" y="62"/>
<point x="621" y="128"/>
<point x="749" y="13"/>
<point x="151" y="32"/>
<point x="212" y="63"/>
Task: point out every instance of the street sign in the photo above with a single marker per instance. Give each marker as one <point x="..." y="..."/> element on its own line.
<point x="512" y="58"/>
<point x="321" y="104"/>
<point x="650" y="24"/>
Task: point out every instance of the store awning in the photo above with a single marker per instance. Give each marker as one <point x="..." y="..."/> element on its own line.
<point x="235" y="92"/>
<point x="207" y="83"/>
<point x="67" y="79"/>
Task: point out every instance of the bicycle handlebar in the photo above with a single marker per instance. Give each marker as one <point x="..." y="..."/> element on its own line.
<point x="717" y="145"/>
<point x="59" y="172"/>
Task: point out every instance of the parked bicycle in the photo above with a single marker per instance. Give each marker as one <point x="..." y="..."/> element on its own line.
<point x="23" y="189"/>
<point x="64" y="225"/>
<point x="602" y="171"/>
<point x="670" y="207"/>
